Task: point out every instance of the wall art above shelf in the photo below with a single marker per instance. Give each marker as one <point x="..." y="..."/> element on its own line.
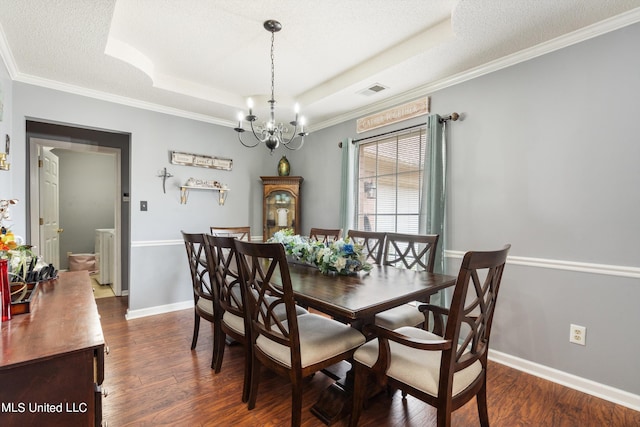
<point x="199" y="160"/>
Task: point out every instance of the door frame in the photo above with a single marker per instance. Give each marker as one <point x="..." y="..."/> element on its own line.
<point x="43" y="133"/>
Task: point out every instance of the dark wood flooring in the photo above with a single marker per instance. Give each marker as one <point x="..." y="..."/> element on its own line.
<point x="153" y="378"/>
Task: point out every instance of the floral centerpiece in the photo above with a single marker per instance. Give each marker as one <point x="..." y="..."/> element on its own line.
<point x="342" y="256"/>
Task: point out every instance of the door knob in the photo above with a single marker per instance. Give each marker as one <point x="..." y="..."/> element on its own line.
<point x="60" y="230"/>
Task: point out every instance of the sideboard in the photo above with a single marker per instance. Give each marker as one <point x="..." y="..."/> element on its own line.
<point x="52" y="358"/>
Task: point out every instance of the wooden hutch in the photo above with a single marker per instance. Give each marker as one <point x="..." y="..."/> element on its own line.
<point x="280" y="204"/>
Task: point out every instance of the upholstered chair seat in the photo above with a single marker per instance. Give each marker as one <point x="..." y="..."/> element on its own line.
<point x="320" y="339"/>
<point x="417" y="368"/>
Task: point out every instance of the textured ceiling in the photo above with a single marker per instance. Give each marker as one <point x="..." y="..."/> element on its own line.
<point x="203" y="58"/>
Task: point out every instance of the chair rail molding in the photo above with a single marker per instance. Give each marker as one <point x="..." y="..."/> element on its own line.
<point x="583" y="267"/>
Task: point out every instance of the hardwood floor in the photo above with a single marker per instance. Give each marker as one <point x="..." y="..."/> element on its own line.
<point x="153" y="379"/>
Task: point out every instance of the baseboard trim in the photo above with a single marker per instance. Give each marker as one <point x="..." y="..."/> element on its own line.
<point x="160" y="309"/>
<point x="602" y="391"/>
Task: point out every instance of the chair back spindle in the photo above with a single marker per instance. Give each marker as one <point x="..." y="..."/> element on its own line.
<point x="325" y="235"/>
<point x="240" y="233"/>
<point x="372" y="243"/>
<point x="411" y="251"/>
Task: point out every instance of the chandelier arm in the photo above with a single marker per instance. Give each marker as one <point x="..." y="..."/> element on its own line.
<point x="263" y="132"/>
<point x="247" y="145"/>
<point x="296" y="148"/>
<point x="294" y="136"/>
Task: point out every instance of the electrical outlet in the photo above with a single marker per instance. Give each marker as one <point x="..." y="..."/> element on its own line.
<point x="578" y="334"/>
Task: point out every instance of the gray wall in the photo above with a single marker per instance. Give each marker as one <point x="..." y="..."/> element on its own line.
<point x="87" y="191"/>
<point x="6" y="101"/>
<point x="157" y="276"/>
<point x="545" y="159"/>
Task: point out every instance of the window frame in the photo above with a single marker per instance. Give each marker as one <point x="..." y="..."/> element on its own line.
<point x="400" y="213"/>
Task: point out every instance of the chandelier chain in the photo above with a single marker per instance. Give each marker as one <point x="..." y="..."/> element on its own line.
<point x="273" y="72"/>
<point x="270" y="133"/>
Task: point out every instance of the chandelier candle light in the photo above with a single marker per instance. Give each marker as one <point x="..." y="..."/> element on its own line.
<point x="270" y="133"/>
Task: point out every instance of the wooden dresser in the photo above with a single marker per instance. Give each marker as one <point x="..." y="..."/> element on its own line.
<point x="52" y="359"/>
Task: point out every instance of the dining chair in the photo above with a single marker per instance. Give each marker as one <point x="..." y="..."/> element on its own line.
<point x="205" y="293"/>
<point x="411" y="251"/>
<point x="221" y="260"/>
<point x="242" y="233"/>
<point x="297" y="346"/>
<point x="234" y="321"/>
<point x="325" y="235"/>
<point x="448" y="366"/>
<point x="372" y="243"/>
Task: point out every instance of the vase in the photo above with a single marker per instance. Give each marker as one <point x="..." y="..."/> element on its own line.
<point x="283" y="166"/>
<point x="5" y="291"/>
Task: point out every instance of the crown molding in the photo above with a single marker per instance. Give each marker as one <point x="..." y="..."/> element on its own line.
<point x="7" y="56"/>
<point x="594" y="30"/>
<point x="117" y="99"/>
<point x="586" y="33"/>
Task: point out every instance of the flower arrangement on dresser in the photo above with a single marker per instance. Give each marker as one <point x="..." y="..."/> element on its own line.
<point x="340" y="257"/>
<point x="20" y="268"/>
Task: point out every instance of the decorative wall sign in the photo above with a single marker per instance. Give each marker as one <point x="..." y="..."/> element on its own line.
<point x="188" y="159"/>
<point x="397" y="114"/>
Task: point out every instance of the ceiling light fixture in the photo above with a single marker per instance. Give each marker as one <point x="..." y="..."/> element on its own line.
<point x="270" y="133"/>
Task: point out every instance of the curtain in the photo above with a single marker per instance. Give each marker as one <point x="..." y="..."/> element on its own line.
<point x="347" y="188"/>
<point x="433" y="198"/>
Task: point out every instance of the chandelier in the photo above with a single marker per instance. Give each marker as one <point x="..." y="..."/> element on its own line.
<point x="271" y="133"/>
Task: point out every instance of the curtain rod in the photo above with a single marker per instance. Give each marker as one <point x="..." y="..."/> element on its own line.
<point x="453" y="116"/>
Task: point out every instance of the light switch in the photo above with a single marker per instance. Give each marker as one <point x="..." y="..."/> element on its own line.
<point x="143" y="205"/>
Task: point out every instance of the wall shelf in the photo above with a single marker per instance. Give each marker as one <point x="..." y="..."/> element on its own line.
<point x="184" y="193"/>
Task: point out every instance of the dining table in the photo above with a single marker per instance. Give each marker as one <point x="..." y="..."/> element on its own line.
<point x="355" y="300"/>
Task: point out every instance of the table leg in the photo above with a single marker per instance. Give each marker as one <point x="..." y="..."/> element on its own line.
<point x="334" y="403"/>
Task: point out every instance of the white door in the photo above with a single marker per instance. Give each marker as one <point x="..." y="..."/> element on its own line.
<point x="49" y="208"/>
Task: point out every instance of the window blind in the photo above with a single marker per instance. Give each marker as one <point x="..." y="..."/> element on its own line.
<point x="390" y="171"/>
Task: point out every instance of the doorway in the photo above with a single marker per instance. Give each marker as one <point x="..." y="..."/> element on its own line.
<point x="79" y="142"/>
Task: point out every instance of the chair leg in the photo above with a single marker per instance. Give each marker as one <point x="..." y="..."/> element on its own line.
<point x="296" y="401"/>
<point x="196" y="329"/>
<point x="218" y="348"/>
<point x="359" y="390"/>
<point x="481" y="400"/>
<point x="255" y="380"/>
<point x="246" y="386"/>
<point x="444" y="416"/>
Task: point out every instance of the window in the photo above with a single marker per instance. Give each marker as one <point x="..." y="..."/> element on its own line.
<point x="390" y="170"/>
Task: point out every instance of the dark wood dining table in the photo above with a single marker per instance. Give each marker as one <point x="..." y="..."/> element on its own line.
<point x="356" y="300"/>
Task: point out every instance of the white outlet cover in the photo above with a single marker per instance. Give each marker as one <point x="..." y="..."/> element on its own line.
<point x="578" y="334"/>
